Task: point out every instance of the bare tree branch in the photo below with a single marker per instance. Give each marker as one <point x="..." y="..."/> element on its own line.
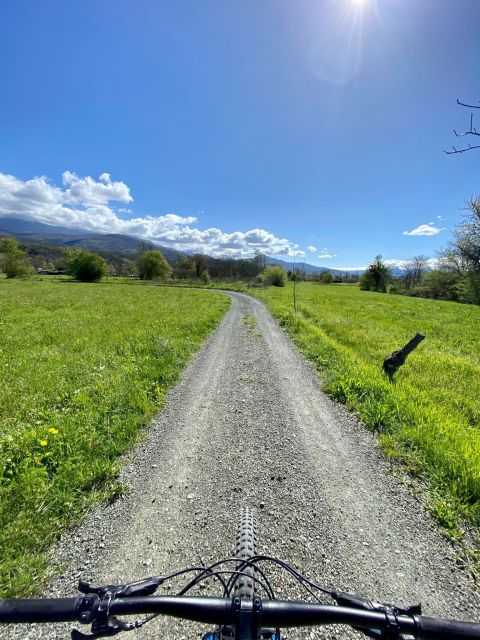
<point x="469" y="148"/>
<point x="470" y="132"/>
<point x="469" y="106"/>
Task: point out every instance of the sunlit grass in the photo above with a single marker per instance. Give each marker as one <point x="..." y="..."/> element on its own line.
<point x="82" y="369"/>
<point x="430" y="416"/>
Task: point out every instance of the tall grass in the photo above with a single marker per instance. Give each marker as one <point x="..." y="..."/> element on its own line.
<point x="82" y="369"/>
<point x="430" y="416"/>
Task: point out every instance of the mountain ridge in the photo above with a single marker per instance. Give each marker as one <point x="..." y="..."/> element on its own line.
<point x="39" y="233"/>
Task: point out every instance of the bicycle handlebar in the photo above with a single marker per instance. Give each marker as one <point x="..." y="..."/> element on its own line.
<point x="221" y="611"/>
<point x="41" y="609"/>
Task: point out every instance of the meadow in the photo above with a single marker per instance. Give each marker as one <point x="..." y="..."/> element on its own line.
<point x="83" y="367"/>
<point x="429" y="417"/>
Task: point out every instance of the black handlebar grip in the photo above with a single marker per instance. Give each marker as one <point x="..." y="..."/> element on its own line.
<point x="41" y="610"/>
<point x="438" y="629"/>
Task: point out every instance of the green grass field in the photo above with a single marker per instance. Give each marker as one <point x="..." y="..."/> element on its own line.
<point x="430" y="416"/>
<point x="82" y="369"/>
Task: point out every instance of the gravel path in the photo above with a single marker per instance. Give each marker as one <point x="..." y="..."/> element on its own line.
<point x="249" y="425"/>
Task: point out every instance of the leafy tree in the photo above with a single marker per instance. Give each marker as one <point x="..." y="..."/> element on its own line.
<point x="86" y="266"/>
<point x="327" y="278"/>
<point x="152" y="265"/>
<point x="462" y="256"/>
<point x="15" y="262"/>
<point x="274" y="275"/>
<point x="200" y="264"/>
<point x="376" y="276"/>
<point x="467" y="236"/>
<point x="440" y="284"/>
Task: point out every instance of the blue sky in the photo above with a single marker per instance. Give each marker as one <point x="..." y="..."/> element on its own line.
<point x="230" y="126"/>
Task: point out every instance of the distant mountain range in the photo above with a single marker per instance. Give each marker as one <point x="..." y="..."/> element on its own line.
<point x="36" y="233"/>
<point x="308" y="269"/>
<point x="108" y="244"/>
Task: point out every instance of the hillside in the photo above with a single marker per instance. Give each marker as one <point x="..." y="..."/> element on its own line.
<point x="114" y="245"/>
<point x="36" y="234"/>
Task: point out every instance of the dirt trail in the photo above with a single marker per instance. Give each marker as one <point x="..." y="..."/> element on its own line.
<point x="249" y="424"/>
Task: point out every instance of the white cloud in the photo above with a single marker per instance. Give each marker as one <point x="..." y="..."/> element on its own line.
<point x="312" y="249"/>
<point x="439" y="217"/>
<point x="325" y="256"/>
<point x="424" y="230"/>
<point x="85" y="203"/>
<point x="351" y="268"/>
<point x="430" y="263"/>
<point x="89" y="191"/>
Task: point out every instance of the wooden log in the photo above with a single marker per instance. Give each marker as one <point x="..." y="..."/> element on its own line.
<point x="395" y="360"/>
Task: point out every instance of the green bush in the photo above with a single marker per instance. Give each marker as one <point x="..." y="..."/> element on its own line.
<point x="14" y="262"/>
<point x="275" y="276"/>
<point x="86" y="266"/>
<point x="152" y="265"/>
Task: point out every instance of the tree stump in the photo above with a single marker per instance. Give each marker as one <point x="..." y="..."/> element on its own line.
<point x="394" y="361"/>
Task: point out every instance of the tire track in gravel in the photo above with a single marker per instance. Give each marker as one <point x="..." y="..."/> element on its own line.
<point x="249" y="424"/>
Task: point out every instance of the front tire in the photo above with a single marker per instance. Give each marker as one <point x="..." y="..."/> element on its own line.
<point x="245" y="550"/>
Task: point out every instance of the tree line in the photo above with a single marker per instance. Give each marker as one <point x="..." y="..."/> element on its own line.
<point x="456" y="275"/>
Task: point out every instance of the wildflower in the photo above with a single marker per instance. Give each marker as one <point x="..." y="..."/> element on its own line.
<point x="43" y="443"/>
<point x="53" y="431"/>
<point x="37" y="460"/>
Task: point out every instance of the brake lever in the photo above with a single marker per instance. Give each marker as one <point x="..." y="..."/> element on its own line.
<point x="130" y="590"/>
<point x="104" y="625"/>
<point x="103" y="629"/>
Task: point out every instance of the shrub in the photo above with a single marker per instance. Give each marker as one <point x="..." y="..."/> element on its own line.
<point x="152" y="265"/>
<point x="15" y="262"/>
<point x="86" y="266"/>
<point x="275" y="276"/>
<point x="327" y="278"/>
<point x="376" y="277"/>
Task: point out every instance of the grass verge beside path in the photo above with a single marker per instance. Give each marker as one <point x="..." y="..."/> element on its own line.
<point x="82" y="368"/>
<point x="429" y="418"/>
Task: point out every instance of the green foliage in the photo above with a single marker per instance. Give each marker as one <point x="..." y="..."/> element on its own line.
<point x="86" y="266"/>
<point x="152" y="265"/>
<point x="457" y="276"/>
<point x="431" y="415"/>
<point x="14" y="262"/>
<point x="206" y="277"/>
<point x="82" y="369"/>
<point x="376" y="277"/>
<point x="440" y="284"/>
<point x="274" y="276"/>
<point x="327" y="278"/>
<point x="468" y="287"/>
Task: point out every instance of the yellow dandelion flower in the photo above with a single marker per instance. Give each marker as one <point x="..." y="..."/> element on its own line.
<point x="43" y="443"/>
<point x="53" y="431"/>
